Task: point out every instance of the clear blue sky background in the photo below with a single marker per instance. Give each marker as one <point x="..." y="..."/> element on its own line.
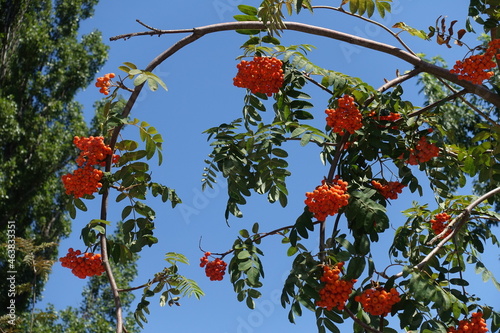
<point x="201" y="95"/>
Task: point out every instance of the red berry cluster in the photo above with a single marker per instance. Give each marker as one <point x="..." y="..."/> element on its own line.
<point x="215" y="269"/>
<point x="104" y="83"/>
<point x="89" y="264"/>
<point x="477" y="68"/>
<point x="327" y="198"/>
<point x="335" y="291"/>
<point x="86" y="179"/>
<point x="346" y="117"/>
<point x="261" y="75"/>
<point x="438" y="223"/>
<point x="389" y="190"/>
<point x="377" y="301"/>
<point x="476" y="324"/>
<point x="423" y="152"/>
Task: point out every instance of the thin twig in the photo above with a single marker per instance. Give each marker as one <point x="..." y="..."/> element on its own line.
<point x="261" y="236"/>
<point x="313" y="81"/>
<point x="322" y="231"/>
<point x="360" y="322"/>
<point x="332" y="144"/>
<point x="400" y="79"/>
<point x="437" y="103"/>
<point x="340" y="9"/>
<point x="148" y="26"/>
<point x="336" y="157"/>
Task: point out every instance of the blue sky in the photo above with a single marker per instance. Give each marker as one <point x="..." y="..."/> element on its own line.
<point x="201" y="95"/>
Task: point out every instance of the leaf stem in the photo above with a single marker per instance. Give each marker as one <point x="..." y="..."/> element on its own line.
<point x="393" y="34"/>
<point x="360" y="322"/>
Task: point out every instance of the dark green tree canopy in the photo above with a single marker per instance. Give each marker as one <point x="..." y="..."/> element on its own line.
<point x="43" y="64"/>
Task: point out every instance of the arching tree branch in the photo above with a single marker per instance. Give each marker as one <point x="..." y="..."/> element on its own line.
<point x="424" y="66"/>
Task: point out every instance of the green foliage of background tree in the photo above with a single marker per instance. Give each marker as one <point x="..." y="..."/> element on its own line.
<point x="92" y="315"/>
<point x="43" y="64"/>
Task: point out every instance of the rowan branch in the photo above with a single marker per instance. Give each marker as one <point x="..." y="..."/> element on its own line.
<point x="406" y="56"/>
<point x="472" y="106"/>
<point x="437" y="103"/>
<point x="459" y="221"/>
<point x="105" y="257"/>
<point x="360" y="322"/>
<point x="261" y="236"/>
<point x="400" y="79"/>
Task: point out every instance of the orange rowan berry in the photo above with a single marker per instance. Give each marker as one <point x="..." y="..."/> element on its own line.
<point x="477" y="68"/>
<point x="215" y="269"/>
<point x="378" y="301"/>
<point x="327" y="199"/>
<point x="89" y="264"/>
<point x="346" y="117"/>
<point x="393" y="116"/>
<point x="261" y="75"/>
<point x="334" y="292"/>
<point x="82" y="181"/>
<point x="104" y="82"/>
<point x="438" y="224"/>
<point x="390" y="190"/>
<point x="86" y="179"/>
<point x="476" y="324"/>
<point x="423" y="152"/>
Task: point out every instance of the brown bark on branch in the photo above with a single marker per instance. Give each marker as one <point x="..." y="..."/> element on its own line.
<point x="456" y="224"/>
<point x="105" y="258"/>
<point x="426" y="67"/>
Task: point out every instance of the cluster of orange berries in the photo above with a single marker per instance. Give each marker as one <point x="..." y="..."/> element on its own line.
<point x="261" y="75"/>
<point x="87" y="179"/>
<point x="438" y="223"/>
<point x="215" y="269"/>
<point x="335" y="291"/>
<point x="346" y="117"/>
<point x="104" y="82"/>
<point x="393" y="116"/>
<point x="476" y="324"/>
<point x="93" y="151"/>
<point x="83" y="181"/>
<point x="327" y="199"/>
<point x="378" y="302"/>
<point x="477" y="68"/>
<point x="389" y="190"/>
<point x="89" y="264"/>
<point x="423" y="152"/>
